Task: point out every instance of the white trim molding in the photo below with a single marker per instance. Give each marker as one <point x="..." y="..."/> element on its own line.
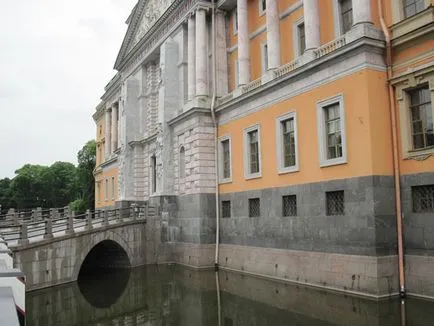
<point x="262" y="10"/>
<point x="264" y="57"/>
<point x="322" y="145"/>
<point x="221" y="161"/>
<point x="279" y="143"/>
<point x="296" y="36"/>
<point x="246" y="153"/>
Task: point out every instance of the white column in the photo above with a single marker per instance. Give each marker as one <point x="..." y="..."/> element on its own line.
<point x="107" y="133"/>
<point x="361" y="11"/>
<point x="243" y="43"/>
<point x="221" y="54"/>
<point x="114" y="135"/>
<point x="191" y="60"/>
<point x="311" y="24"/>
<point x="201" y="53"/>
<point x="273" y="34"/>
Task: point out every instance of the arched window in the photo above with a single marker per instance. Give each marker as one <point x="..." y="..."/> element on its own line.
<point x="182" y="163"/>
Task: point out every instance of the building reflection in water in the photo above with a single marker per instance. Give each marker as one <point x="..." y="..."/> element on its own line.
<point x="177" y="296"/>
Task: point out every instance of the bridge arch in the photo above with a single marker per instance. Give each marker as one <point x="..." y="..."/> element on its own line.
<point x="99" y="241"/>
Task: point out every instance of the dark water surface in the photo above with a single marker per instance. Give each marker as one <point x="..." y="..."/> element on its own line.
<point x="177" y="296"/>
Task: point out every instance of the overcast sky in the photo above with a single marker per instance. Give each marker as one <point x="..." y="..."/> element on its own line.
<point x="56" y="56"/>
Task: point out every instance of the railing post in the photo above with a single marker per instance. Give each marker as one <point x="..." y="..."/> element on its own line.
<point x="88" y="220"/>
<point x="23" y="240"/>
<point x="11" y="214"/>
<point x="53" y="213"/>
<point x="105" y="222"/>
<point x="66" y="212"/>
<point x="38" y="213"/>
<point x="134" y="211"/>
<point x="70" y="223"/>
<point x="48" y="228"/>
<point x="22" y="215"/>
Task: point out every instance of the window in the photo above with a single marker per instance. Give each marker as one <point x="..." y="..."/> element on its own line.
<point x="235" y="21"/>
<point x="262" y="7"/>
<point x="106" y="190"/>
<point x="423" y="199"/>
<point x="237" y="74"/>
<point x="254" y="207"/>
<point x="226" y="208"/>
<point x="412" y="7"/>
<point x="289" y="205"/>
<point x="153" y="174"/>
<point x="225" y="159"/>
<point x="301" y="38"/>
<point x="113" y="188"/>
<point x="331" y="129"/>
<point x="346" y="12"/>
<point x="421" y="114"/>
<point x="98" y="191"/>
<point x="287" y="143"/>
<point x="182" y="163"/>
<point x="335" y="203"/>
<point x="264" y="48"/>
<point x="252" y="152"/>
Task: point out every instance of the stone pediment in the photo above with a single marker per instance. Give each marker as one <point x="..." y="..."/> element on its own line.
<point x="145" y="14"/>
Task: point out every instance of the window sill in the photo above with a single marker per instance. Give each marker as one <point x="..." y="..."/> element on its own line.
<point x="327" y="163"/>
<point x="292" y="169"/>
<point x="419" y="154"/>
<point x="253" y="176"/>
<point x="227" y="180"/>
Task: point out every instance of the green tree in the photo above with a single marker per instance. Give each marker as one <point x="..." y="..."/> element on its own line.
<point x="28" y="188"/>
<point x="60" y="183"/>
<point x="86" y="164"/>
<point x="6" y="201"/>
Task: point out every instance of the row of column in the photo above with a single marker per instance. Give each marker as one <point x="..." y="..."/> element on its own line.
<point x="198" y="58"/>
<point x="111" y="129"/>
<point x="361" y="14"/>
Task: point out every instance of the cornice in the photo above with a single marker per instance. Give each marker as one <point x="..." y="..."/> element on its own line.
<point x="175" y="15"/>
<point x="185" y="115"/>
<point x="99" y="111"/>
<point x="109" y="162"/>
<point x="112" y="87"/>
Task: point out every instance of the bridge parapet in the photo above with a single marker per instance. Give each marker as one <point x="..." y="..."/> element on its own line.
<point x="20" y="231"/>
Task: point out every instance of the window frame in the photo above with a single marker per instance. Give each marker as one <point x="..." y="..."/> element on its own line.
<point x="246" y="152"/>
<point x="279" y="143"/>
<point x="403" y="6"/>
<point x="262" y="10"/>
<point x="296" y="37"/>
<point x="411" y="121"/>
<point x="153" y="174"/>
<point x="113" y="188"/>
<point x="338" y="23"/>
<point x="181" y="159"/>
<point x="235" y="21"/>
<point x="264" y="57"/>
<point x="250" y="202"/>
<point x="222" y="139"/>
<point x="329" y="194"/>
<point x="106" y="190"/>
<point x="321" y="105"/>
<point x="289" y="196"/>
<point x="402" y="86"/>
<point x="398" y="13"/>
<point x="230" y="208"/>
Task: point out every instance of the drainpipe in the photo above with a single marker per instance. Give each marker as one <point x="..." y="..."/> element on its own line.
<point x="396" y="168"/>
<point x="214" y="92"/>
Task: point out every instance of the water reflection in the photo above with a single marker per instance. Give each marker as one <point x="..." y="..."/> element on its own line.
<point x="93" y="286"/>
<point x="176" y="296"/>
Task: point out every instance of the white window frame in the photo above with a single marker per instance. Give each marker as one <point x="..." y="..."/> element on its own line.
<point x="398" y="10"/>
<point x="220" y="157"/>
<point x="262" y="11"/>
<point x="296" y="36"/>
<point x="321" y="105"/>
<point x="279" y="143"/>
<point x="106" y="190"/>
<point x="402" y="86"/>
<point x="338" y="18"/>
<point x="113" y="188"/>
<point x="235" y="21"/>
<point x="264" y="57"/>
<point x="246" y="152"/>
<point x="237" y="73"/>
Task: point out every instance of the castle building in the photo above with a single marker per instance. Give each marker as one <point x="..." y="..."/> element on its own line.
<point x="306" y="127"/>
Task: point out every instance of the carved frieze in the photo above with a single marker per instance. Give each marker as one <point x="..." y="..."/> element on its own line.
<point x="153" y="10"/>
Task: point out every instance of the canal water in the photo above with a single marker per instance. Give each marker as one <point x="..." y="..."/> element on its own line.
<point x="175" y="296"/>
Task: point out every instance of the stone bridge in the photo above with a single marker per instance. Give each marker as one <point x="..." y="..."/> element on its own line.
<point x="56" y="249"/>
